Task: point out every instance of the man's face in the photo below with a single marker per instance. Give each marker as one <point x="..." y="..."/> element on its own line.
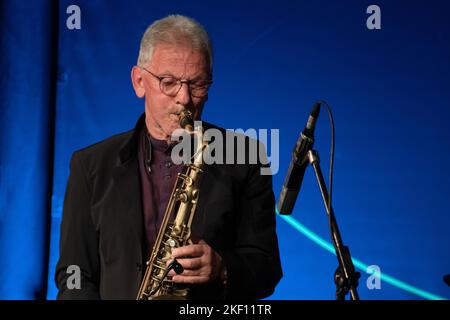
<point x="161" y="110"/>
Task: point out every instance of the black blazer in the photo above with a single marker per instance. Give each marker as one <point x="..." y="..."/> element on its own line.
<point x="102" y="229"/>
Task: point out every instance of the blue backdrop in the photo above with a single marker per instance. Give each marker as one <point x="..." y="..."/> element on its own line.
<point x="63" y="89"/>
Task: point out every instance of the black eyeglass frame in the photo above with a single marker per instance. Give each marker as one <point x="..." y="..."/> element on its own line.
<point x="180" y="82"/>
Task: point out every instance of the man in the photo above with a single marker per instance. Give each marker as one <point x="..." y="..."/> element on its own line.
<point x="118" y="190"/>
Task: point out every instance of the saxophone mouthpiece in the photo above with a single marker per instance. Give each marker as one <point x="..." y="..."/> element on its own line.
<point x="186" y="121"/>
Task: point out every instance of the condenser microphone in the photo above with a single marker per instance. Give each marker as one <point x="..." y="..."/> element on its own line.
<point x="299" y="162"/>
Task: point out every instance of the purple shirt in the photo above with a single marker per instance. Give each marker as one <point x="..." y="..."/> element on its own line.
<point x="158" y="176"/>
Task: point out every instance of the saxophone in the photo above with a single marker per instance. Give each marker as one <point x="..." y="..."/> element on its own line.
<point x="175" y="230"/>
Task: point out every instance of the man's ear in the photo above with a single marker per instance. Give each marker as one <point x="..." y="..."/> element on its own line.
<point x="138" y="82"/>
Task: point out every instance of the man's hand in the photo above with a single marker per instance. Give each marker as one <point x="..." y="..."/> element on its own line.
<point x="200" y="262"/>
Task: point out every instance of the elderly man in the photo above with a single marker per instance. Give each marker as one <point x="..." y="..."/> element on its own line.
<point x="118" y="191"/>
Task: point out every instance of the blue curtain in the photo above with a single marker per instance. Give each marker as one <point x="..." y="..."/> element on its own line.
<point x="27" y="101"/>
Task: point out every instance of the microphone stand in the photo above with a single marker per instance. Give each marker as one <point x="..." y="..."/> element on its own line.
<point x="345" y="277"/>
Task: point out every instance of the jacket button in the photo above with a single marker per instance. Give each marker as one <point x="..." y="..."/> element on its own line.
<point x="138" y="266"/>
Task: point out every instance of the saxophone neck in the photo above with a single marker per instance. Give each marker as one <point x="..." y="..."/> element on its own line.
<point x="196" y="133"/>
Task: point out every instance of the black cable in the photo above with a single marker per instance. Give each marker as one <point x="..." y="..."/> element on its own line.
<point x="330" y="173"/>
<point x="352" y="276"/>
<point x="333" y="233"/>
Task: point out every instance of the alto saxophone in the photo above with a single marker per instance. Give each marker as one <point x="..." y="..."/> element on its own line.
<point x="175" y="230"/>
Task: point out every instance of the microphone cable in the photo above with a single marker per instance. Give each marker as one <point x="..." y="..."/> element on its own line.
<point x="330" y="171"/>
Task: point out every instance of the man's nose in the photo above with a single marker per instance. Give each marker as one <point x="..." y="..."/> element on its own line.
<point x="184" y="96"/>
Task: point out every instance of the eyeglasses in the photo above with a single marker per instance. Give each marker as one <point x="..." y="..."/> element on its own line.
<point x="170" y="86"/>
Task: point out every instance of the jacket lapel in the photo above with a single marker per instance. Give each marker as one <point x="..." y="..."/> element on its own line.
<point x="127" y="194"/>
<point x="127" y="198"/>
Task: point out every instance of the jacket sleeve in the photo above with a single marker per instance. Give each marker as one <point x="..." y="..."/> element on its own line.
<point x="253" y="266"/>
<point x="78" y="240"/>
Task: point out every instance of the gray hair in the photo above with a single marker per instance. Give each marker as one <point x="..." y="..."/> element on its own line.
<point x="175" y="30"/>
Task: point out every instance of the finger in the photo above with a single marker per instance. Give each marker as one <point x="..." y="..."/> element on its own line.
<point x="190" y="279"/>
<point x="193" y="250"/>
<point x="191" y="263"/>
<point x="186" y="272"/>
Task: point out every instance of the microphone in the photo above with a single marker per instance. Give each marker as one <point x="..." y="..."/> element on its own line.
<point x="299" y="162"/>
